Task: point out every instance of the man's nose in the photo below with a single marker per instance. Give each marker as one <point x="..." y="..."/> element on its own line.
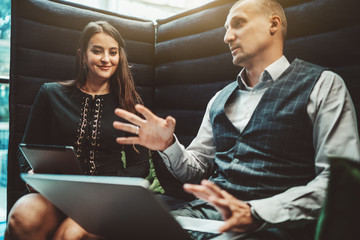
<point x="229" y="36"/>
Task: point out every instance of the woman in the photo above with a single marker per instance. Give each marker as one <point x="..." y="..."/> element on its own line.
<point x="80" y="113"/>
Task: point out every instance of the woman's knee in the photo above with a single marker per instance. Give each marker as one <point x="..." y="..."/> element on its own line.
<point x="69" y="229"/>
<point x="32" y="213"/>
<point x="72" y="233"/>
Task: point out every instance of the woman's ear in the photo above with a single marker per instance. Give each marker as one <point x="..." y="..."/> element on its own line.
<point x="275" y="24"/>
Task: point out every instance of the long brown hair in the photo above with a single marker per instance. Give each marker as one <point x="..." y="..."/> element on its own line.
<point x="121" y="82"/>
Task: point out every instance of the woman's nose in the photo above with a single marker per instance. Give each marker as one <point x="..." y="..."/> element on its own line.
<point x="105" y="58"/>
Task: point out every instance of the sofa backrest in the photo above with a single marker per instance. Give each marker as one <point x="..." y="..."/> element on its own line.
<point x="193" y="63"/>
<point x="179" y="64"/>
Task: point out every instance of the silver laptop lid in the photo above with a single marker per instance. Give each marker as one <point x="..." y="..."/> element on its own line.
<point x="116" y="207"/>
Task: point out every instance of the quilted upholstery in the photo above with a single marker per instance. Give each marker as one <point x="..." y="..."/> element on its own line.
<point x="178" y="64"/>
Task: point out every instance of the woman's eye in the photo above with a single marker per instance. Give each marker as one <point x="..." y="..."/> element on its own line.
<point x="113" y="53"/>
<point x="95" y="51"/>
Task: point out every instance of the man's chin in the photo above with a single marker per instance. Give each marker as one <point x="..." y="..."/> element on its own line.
<point x="236" y="62"/>
<point x="239" y="60"/>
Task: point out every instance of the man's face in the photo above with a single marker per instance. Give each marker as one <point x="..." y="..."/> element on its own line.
<point x="247" y="33"/>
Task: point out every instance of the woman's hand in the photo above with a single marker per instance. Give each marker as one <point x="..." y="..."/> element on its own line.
<point x="28" y="186"/>
<point x="236" y="213"/>
<point x="153" y="132"/>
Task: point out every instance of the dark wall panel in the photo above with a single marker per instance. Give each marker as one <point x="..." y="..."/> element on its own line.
<point x="167" y="97"/>
<point x="67" y="16"/>
<point x="199" y="45"/>
<point x="203" y="70"/>
<point x="321" y="16"/>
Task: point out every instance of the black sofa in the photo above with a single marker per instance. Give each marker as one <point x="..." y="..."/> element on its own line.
<point x="178" y="64"/>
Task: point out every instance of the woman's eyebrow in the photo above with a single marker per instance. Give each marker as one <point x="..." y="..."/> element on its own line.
<point x="101" y="47"/>
<point x="97" y="46"/>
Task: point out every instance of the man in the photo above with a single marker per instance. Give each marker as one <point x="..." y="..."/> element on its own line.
<point x="265" y="138"/>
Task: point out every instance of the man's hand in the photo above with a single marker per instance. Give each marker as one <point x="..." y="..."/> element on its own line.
<point x="153" y="132"/>
<point x="236" y="213"/>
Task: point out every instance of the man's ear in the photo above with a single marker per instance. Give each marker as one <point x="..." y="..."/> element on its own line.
<point x="275" y="24"/>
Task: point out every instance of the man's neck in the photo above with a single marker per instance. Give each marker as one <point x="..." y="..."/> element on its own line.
<point x="254" y="69"/>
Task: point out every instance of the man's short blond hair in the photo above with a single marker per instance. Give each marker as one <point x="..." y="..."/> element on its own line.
<point x="270" y="8"/>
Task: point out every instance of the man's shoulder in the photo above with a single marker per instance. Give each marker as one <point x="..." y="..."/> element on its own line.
<point x="331" y="78"/>
<point x="305" y="63"/>
<point x="326" y="72"/>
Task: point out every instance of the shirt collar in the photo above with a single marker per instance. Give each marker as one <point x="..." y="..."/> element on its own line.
<point x="271" y="72"/>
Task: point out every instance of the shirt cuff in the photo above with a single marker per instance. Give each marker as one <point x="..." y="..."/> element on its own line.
<point x="261" y="223"/>
<point x="171" y="154"/>
<point x="270" y="210"/>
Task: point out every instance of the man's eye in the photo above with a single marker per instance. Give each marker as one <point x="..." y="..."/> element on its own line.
<point x="237" y="24"/>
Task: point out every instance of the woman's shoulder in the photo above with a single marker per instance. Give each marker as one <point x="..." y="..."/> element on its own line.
<point x="57" y="87"/>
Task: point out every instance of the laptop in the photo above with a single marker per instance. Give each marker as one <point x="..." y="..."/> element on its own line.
<point x="115" y="207"/>
<point x="118" y="207"/>
<point x="51" y="158"/>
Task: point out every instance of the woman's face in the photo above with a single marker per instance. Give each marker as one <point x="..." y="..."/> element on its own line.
<point x="101" y="57"/>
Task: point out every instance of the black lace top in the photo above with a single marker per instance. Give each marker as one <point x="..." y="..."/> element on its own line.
<point x="63" y="115"/>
